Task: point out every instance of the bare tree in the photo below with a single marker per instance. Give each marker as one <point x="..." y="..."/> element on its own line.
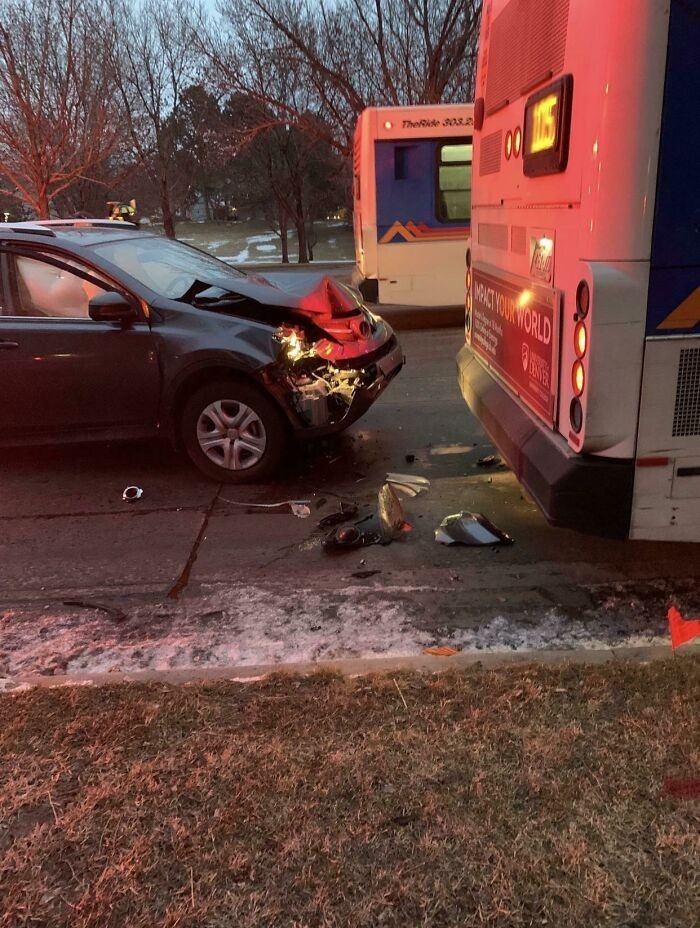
<point x="58" y="106"/>
<point x="155" y="64"/>
<point x="347" y="55"/>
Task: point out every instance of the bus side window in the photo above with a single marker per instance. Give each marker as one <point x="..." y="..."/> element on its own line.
<point x="454" y="181"/>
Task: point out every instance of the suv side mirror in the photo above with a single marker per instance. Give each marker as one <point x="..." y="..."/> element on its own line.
<point x="112" y="307"/>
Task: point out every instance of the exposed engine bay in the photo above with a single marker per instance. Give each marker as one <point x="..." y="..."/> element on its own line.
<point x="327" y="342"/>
<point x="321" y="392"/>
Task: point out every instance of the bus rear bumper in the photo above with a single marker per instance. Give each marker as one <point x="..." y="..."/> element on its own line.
<point x="579" y="491"/>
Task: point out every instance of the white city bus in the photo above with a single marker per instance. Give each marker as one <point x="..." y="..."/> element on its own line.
<point x="583" y="269"/>
<point x="412" y="202"/>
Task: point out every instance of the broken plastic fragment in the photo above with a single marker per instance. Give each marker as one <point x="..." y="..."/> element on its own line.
<point x="131" y="494"/>
<point x="300" y="510"/>
<point x="682" y="630"/>
<point x="491" y="460"/>
<point x="408" y="483"/>
<point x="346" y="511"/>
<point x="470" y="528"/>
<point x="380" y="528"/>
<point x="443" y="650"/>
<point x="391" y="515"/>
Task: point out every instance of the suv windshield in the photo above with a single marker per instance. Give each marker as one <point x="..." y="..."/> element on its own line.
<point x="168" y="268"/>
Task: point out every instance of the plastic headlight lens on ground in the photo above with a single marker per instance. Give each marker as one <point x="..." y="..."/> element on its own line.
<point x="578" y="378"/>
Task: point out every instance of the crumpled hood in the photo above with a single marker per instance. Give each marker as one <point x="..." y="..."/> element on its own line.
<point x="308" y="293"/>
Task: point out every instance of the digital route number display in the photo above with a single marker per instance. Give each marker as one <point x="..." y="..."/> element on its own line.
<point x="547" y="126"/>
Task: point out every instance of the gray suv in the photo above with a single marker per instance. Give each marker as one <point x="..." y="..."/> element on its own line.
<point x="108" y="332"/>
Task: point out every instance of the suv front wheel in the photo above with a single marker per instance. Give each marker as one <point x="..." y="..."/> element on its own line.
<point x="233" y="433"/>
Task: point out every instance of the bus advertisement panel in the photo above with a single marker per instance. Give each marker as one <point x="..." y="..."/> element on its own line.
<point x="513" y="331"/>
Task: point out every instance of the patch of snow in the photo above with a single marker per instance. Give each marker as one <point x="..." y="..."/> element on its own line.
<point x="267" y="248"/>
<point x="235" y="259"/>
<point x="265" y="237"/>
<point x="247" y="625"/>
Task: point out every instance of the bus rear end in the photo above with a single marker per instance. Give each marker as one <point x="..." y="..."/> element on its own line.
<point x="572" y="100"/>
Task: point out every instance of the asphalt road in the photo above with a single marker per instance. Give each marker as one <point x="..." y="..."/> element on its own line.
<point x="221" y="583"/>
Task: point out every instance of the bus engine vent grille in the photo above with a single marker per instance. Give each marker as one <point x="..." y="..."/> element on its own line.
<point x="518" y="240"/>
<point x="527" y="46"/>
<point x="493" y="235"/>
<point x="490" y="154"/>
<point x="686" y="412"/>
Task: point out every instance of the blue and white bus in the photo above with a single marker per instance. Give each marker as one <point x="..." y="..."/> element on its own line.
<point x="583" y="270"/>
<point x="412" y="203"/>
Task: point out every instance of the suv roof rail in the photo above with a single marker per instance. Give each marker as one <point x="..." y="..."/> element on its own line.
<point x="77" y="223"/>
<point x="39" y="225"/>
<point x="30" y="228"/>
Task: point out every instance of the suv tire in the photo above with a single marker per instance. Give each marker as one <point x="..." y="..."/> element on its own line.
<point x="233" y="432"/>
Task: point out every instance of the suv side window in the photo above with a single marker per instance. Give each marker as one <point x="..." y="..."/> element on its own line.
<point x="42" y="289"/>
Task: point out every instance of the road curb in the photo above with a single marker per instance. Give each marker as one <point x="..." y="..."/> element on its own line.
<point x="356" y="667"/>
<point x="407" y="318"/>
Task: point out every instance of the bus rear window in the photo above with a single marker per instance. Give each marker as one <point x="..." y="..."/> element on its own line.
<point x="454" y="181"/>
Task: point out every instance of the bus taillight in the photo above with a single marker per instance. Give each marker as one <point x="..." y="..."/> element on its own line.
<point x="578" y="377"/>
<point x="580" y="339"/>
<point x="576" y="415"/>
<point x="583" y="299"/>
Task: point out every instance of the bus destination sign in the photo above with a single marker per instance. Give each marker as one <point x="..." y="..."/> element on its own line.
<point x="547" y="124"/>
<point x="514" y="330"/>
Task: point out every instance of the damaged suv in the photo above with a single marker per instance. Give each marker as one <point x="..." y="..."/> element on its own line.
<point x="107" y="332"/>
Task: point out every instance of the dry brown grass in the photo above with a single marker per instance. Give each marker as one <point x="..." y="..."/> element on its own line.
<point x="525" y="797"/>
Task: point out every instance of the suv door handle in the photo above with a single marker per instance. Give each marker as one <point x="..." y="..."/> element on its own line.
<point x="7" y="344"/>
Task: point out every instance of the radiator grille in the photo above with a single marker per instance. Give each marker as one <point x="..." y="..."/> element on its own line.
<point x="686" y="412"/>
<point x="518" y="240"/>
<point x="527" y="46"/>
<point x="493" y="235"/>
<point x="490" y="154"/>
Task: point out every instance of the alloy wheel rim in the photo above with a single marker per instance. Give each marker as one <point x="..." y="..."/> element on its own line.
<point x="231" y="435"/>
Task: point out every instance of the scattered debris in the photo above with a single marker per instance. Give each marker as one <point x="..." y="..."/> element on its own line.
<point x="470" y="528"/>
<point x="410" y="458"/>
<point x="300" y="510"/>
<point x="297" y="507"/>
<point x="365" y="574"/>
<point x="451" y="449"/>
<point x="347" y="511"/>
<point x="491" y="460"/>
<point x="391" y="515"/>
<point x="380" y="528"/>
<point x="131" y="494"/>
<point x="682" y="630"/>
<point x="443" y="650"/>
<point x="409" y="484"/>
<point x="111" y="611"/>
